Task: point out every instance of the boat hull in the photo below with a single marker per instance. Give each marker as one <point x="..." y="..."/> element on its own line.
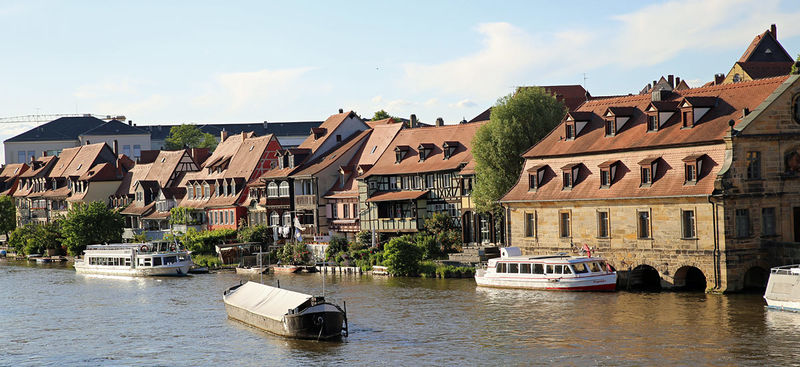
<point x="323" y="325"/>
<point x="167" y="270"/>
<point x="607" y="283"/>
<point x="783" y="289"/>
<point x="285" y="269"/>
<point x="252" y="271"/>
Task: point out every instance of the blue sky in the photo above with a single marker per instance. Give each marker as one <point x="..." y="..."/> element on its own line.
<point x="162" y="62"/>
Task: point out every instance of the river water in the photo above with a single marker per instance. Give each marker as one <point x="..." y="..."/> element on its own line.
<point x="51" y="316"/>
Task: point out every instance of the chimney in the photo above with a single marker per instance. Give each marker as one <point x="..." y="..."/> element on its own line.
<point x="44" y="153"/>
<point x="719" y="78"/>
<point x="265" y="124"/>
<point x="130" y="122"/>
<point x="774" y="30"/>
<point x="677" y="80"/>
<point x="341" y="110"/>
<point x="116" y="148"/>
<point x="745" y="112"/>
<point x="88" y="142"/>
<point x="654" y="83"/>
<point x="33" y="158"/>
<point x="223" y="135"/>
<point x="413" y="121"/>
<point x="439" y="121"/>
<point x="671" y="80"/>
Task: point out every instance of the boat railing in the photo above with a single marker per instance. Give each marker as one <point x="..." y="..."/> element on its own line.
<point x="786" y="270"/>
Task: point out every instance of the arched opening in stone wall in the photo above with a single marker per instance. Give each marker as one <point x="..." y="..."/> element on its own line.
<point x="644" y="278"/>
<point x="690" y="278"/>
<point x="755" y="279"/>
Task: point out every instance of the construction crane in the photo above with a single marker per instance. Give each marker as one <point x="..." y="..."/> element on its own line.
<point x="29" y="119"/>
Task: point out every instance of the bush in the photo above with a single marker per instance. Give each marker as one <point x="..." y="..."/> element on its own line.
<point x="402" y="256"/>
<point x="91" y="223"/>
<point x="427" y="269"/>
<point x="429" y="246"/>
<point x="209" y="261"/>
<point x="34" y="238"/>
<point x="203" y="242"/>
<point x="336" y="246"/>
<point x="258" y="233"/>
<point x="295" y="254"/>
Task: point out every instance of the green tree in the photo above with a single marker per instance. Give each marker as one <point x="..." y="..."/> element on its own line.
<point x="90" y="223"/>
<point x="443" y="228"/>
<point x="380" y="115"/>
<point x="336" y="245"/>
<point x="795" y="70"/>
<point x="203" y="242"/>
<point x="402" y="257"/>
<point x="34" y="238"/>
<point x="8" y="215"/>
<point x="518" y="121"/>
<point x="186" y="135"/>
<point x="258" y="233"/>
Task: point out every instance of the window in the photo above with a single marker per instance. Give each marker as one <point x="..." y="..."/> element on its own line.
<point x="567" y="179"/>
<point x="533" y="183"/>
<point x="652" y="122"/>
<point x="602" y="224"/>
<point x="338" y="137"/>
<point x="287" y="218"/>
<point x="126" y="149"/>
<point x="580" y="268"/>
<point x="525" y="268"/>
<point x="768" y="222"/>
<point x="272" y="190"/>
<point x="609" y="127"/>
<point x="21" y="156"/>
<point x="688" y="224"/>
<point x="796" y="109"/>
<point x="647" y="177"/>
<point x="500" y="268"/>
<point x="429" y="179"/>
<point x="687" y="118"/>
<point x="605" y="177"/>
<point x="643" y="224"/>
<point x="513" y="268"/>
<point x="530" y="224"/>
<point x="538" y="269"/>
<point x="284" y="189"/>
<point x="753" y="165"/>
<point x="570" y="131"/>
<point x="206" y="190"/>
<point x="227" y="219"/>
<point x="345" y="211"/>
<point x="691" y="172"/>
<point x="334" y="210"/>
<point x="137" y="151"/>
<point x="742" y="223"/>
<point x="564" y="225"/>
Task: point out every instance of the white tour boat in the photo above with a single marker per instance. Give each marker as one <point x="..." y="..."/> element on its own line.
<point x="135" y="259"/>
<point x="783" y="288"/>
<point x="556" y="272"/>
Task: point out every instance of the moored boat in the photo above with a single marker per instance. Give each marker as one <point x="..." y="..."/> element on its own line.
<point x="135" y="259"/>
<point x="284" y="312"/>
<point x="286" y="268"/>
<point x="552" y="272"/>
<point x="783" y="288"/>
<point x="252" y="270"/>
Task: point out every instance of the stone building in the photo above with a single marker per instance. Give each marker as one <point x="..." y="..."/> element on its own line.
<point x="693" y="187"/>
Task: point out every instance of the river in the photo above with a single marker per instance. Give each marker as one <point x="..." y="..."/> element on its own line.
<point x="52" y="316"/>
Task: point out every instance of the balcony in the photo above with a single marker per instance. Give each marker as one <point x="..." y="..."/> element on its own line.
<point x="397" y="224"/>
<point x="305" y="201"/>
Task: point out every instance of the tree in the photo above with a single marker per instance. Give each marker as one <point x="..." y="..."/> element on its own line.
<point x="518" y="121"/>
<point x="381" y="115"/>
<point x="8" y="215"/>
<point x="795" y="70"/>
<point x="186" y="135"/>
<point x="258" y="233"/>
<point x="336" y="245"/>
<point x="90" y="223"/>
<point x="402" y="257"/>
<point x="34" y="238"/>
<point x="443" y="228"/>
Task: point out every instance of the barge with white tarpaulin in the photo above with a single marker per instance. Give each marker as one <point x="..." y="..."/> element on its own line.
<point x="284" y="312"/>
<point x="783" y="288"/>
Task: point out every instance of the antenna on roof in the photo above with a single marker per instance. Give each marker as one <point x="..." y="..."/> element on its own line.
<point x="584" y="80"/>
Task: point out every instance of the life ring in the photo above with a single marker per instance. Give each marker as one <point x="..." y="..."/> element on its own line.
<point x="144" y="248"/>
<point x="172" y="248"/>
<point x="318" y="321"/>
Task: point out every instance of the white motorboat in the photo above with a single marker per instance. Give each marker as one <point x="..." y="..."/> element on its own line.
<point x="783" y="288"/>
<point x="552" y="272"/>
<point x="135" y="259"/>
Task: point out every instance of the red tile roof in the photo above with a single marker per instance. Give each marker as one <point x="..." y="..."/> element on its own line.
<point x="329" y="126"/>
<point x="760" y="70"/>
<point x="462" y="133"/>
<point x="324" y="161"/>
<point x="730" y="100"/>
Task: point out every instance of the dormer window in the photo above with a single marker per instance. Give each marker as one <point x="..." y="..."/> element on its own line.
<point x="647" y="171"/>
<point x="693" y="109"/>
<point x="318" y="132"/>
<point x="568" y="175"/>
<point x="569" y="131"/>
<point x="687" y="118"/>
<point x="449" y="148"/>
<point x="608" y="170"/>
<point x="401" y="151"/>
<point x="652" y="122"/>
<point x="609" y="127"/>
<point x="338" y="138"/>
<point x="535" y="176"/>
<point x="425" y="150"/>
<point x="291" y="160"/>
<point x="616" y="118"/>
<point x="575" y="122"/>
<point x="693" y="165"/>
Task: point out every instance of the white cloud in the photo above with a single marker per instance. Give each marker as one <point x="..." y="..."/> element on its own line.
<point x="244" y="88"/>
<point x="148" y="106"/>
<point x="464" y="103"/>
<point x="106" y="88"/>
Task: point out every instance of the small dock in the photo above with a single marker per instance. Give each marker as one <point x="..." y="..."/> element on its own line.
<point x="339" y="269"/>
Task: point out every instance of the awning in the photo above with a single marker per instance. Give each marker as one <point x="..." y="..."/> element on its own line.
<point x="398" y="195"/>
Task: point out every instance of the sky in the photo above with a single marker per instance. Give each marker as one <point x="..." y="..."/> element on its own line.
<point x="170" y="62"/>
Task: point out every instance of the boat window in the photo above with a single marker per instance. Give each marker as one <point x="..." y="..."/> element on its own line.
<point x="595" y="268"/>
<point x="127" y="261"/>
<point x="156" y="261"/>
<point x="513" y="268"/>
<point x="147" y="262"/>
<point x="549" y="269"/>
<point x="169" y="260"/>
<point x="559" y="269"/>
<point x="501" y="268"/>
<point x="580" y="268"/>
<point x="525" y="268"/>
<point x="567" y="269"/>
<point x="538" y="269"/>
<point x="603" y="266"/>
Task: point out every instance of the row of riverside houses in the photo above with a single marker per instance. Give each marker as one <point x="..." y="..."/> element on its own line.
<point x="681" y="186"/>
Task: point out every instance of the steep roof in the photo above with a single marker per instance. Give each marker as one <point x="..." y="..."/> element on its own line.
<point x="761" y="69"/>
<point x="329" y="126"/>
<point x="64" y="128"/>
<point x="13" y="170"/>
<point x="729" y="100"/>
<point x="84" y="159"/>
<point x="765" y="47"/>
<point x="115" y="127"/>
<point x="239" y="156"/>
<point x="137" y="173"/>
<point x="379" y="140"/>
<point x="412" y="138"/>
<point x="164" y="166"/>
<point x="41" y="167"/>
<point x="335" y="155"/>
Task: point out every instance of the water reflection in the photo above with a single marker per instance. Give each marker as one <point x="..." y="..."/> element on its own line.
<point x="89" y="320"/>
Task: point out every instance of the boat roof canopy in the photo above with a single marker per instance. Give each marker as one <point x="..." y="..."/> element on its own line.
<point x="266" y="300"/>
